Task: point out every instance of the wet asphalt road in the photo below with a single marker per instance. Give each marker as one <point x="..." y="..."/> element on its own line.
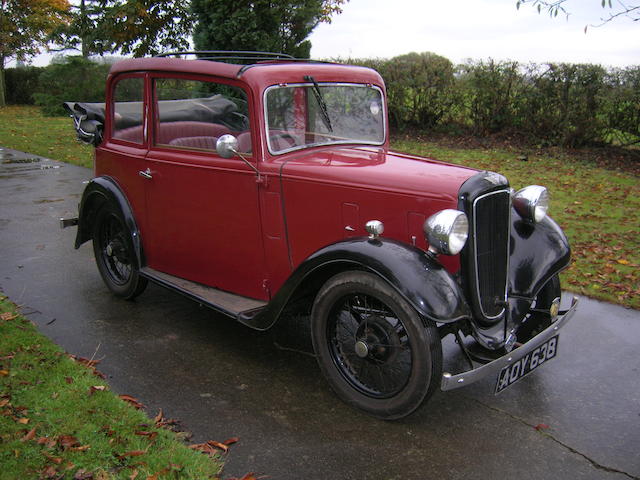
<point x="222" y="380"/>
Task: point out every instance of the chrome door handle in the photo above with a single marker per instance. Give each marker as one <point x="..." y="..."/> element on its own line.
<point x="146" y="173"/>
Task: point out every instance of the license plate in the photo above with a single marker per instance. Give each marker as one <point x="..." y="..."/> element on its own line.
<point x="532" y="360"/>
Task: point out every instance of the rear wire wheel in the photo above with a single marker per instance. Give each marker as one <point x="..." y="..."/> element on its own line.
<point x="115" y="256"/>
<point x="374" y="349"/>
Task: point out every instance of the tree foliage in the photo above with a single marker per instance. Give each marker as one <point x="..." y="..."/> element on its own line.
<point x="261" y="25"/>
<point x="24" y="29"/>
<point x="614" y="10"/>
<point x="137" y="27"/>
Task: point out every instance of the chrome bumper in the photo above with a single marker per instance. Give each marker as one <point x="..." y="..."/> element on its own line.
<point x="449" y="382"/>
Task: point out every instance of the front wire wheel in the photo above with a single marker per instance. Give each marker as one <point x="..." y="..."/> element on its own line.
<point x="115" y="255"/>
<point x="376" y="352"/>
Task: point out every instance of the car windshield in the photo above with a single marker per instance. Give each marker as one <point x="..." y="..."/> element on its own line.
<point x="304" y="115"/>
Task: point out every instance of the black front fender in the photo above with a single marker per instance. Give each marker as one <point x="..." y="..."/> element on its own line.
<point x="538" y="252"/>
<point x="416" y="275"/>
<point x="98" y="192"/>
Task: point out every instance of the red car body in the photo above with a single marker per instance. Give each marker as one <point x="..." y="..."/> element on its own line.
<point x="281" y="220"/>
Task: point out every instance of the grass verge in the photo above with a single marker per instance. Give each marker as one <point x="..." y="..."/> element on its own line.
<point x="58" y="419"/>
<point x="26" y="129"/>
<point x="598" y="208"/>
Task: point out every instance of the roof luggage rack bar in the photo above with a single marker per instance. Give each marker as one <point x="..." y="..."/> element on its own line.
<point x="230" y="55"/>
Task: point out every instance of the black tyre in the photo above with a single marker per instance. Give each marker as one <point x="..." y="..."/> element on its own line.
<point x="539" y="318"/>
<point x="376" y="352"/>
<point x="115" y="255"/>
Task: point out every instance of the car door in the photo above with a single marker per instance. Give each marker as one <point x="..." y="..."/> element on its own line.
<point x="202" y="217"/>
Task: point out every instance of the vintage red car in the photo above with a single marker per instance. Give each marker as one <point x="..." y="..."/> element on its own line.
<point x="259" y="184"/>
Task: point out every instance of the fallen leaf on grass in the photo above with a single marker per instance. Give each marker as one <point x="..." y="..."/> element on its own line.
<point x="151" y="435"/>
<point x="3" y="402"/>
<point x="160" y="421"/>
<point x="49" y="472"/>
<point x="4" y="373"/>
<point x="133" y="475"/>
<point x="164" y="471"/>
<point x="158" y="417"/>
<point x="68" y="380"/>
<point x="23" y="421"/>
<point x="6" y="316"/>
<point x="96" y="388"/>
<point x="82" y="474"/>
<point x="132" y="400"/>
<point x="204" y="448"/>
<point x="132" y="453"/>
<point x="622" y="261"/>
<point x="68" y="441"/>
<point x="29" y="436"/>
<point x="81" y="448"/>
<point x="56" y="460"/>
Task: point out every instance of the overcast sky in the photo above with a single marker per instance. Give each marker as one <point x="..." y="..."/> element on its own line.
<point x="477" y="29"/>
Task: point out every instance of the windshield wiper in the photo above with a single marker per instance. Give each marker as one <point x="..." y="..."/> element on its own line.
<point x="323" y="106"/>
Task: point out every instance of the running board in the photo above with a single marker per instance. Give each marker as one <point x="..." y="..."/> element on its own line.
<point x="241" y="308"/>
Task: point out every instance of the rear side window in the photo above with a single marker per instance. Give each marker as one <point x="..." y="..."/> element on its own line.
<point x="193" y="114"/>
<point x="128" y="96"/>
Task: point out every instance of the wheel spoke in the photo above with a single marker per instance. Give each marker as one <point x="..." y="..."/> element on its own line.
<point x="386" y="366"/>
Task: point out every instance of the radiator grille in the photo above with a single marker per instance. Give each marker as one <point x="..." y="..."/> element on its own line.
<point x="491" y="219"/>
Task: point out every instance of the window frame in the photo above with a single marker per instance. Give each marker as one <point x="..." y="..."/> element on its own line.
<point x="112" y="104"/>
<point x="155" y="111"/>
<point x="308" y="85"/>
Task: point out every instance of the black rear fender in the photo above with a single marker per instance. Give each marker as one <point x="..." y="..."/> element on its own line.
<point x="99" y="191"/>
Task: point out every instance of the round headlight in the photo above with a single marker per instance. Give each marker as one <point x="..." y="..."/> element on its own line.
<point x="446" y="231"/>
<point x="532" y="202"/>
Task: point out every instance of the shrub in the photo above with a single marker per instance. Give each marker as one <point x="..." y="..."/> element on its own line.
<point x="488" y="93"/>
<point x="419" y="86"/>
<point x="621" y="107"/>
<point x="20" y="83"/>
<point x="71" y="79"/>
<point x="562" y="103"/>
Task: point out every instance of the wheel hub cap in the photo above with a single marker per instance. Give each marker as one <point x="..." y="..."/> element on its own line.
<point x="362" y="349"/>
<point x="109" y="250"/>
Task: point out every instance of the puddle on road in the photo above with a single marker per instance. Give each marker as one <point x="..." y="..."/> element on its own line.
<point x="17" y="160"/>
<point x="24" y="162"/>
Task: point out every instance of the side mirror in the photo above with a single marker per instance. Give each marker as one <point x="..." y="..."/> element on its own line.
<point x="227" y="146"/>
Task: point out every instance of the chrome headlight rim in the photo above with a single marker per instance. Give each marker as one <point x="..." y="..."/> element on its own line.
<point x="447" y="231"/>
<point x="532" y="203"/>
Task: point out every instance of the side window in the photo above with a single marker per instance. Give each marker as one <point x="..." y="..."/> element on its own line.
<point x="128" y="98"/>
<point x="192" y="114"/>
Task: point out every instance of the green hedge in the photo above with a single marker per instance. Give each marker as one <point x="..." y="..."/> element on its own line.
<point x="20" y="83"/>
<point x="547" y="103"/>
<point x="72" y="79"/>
